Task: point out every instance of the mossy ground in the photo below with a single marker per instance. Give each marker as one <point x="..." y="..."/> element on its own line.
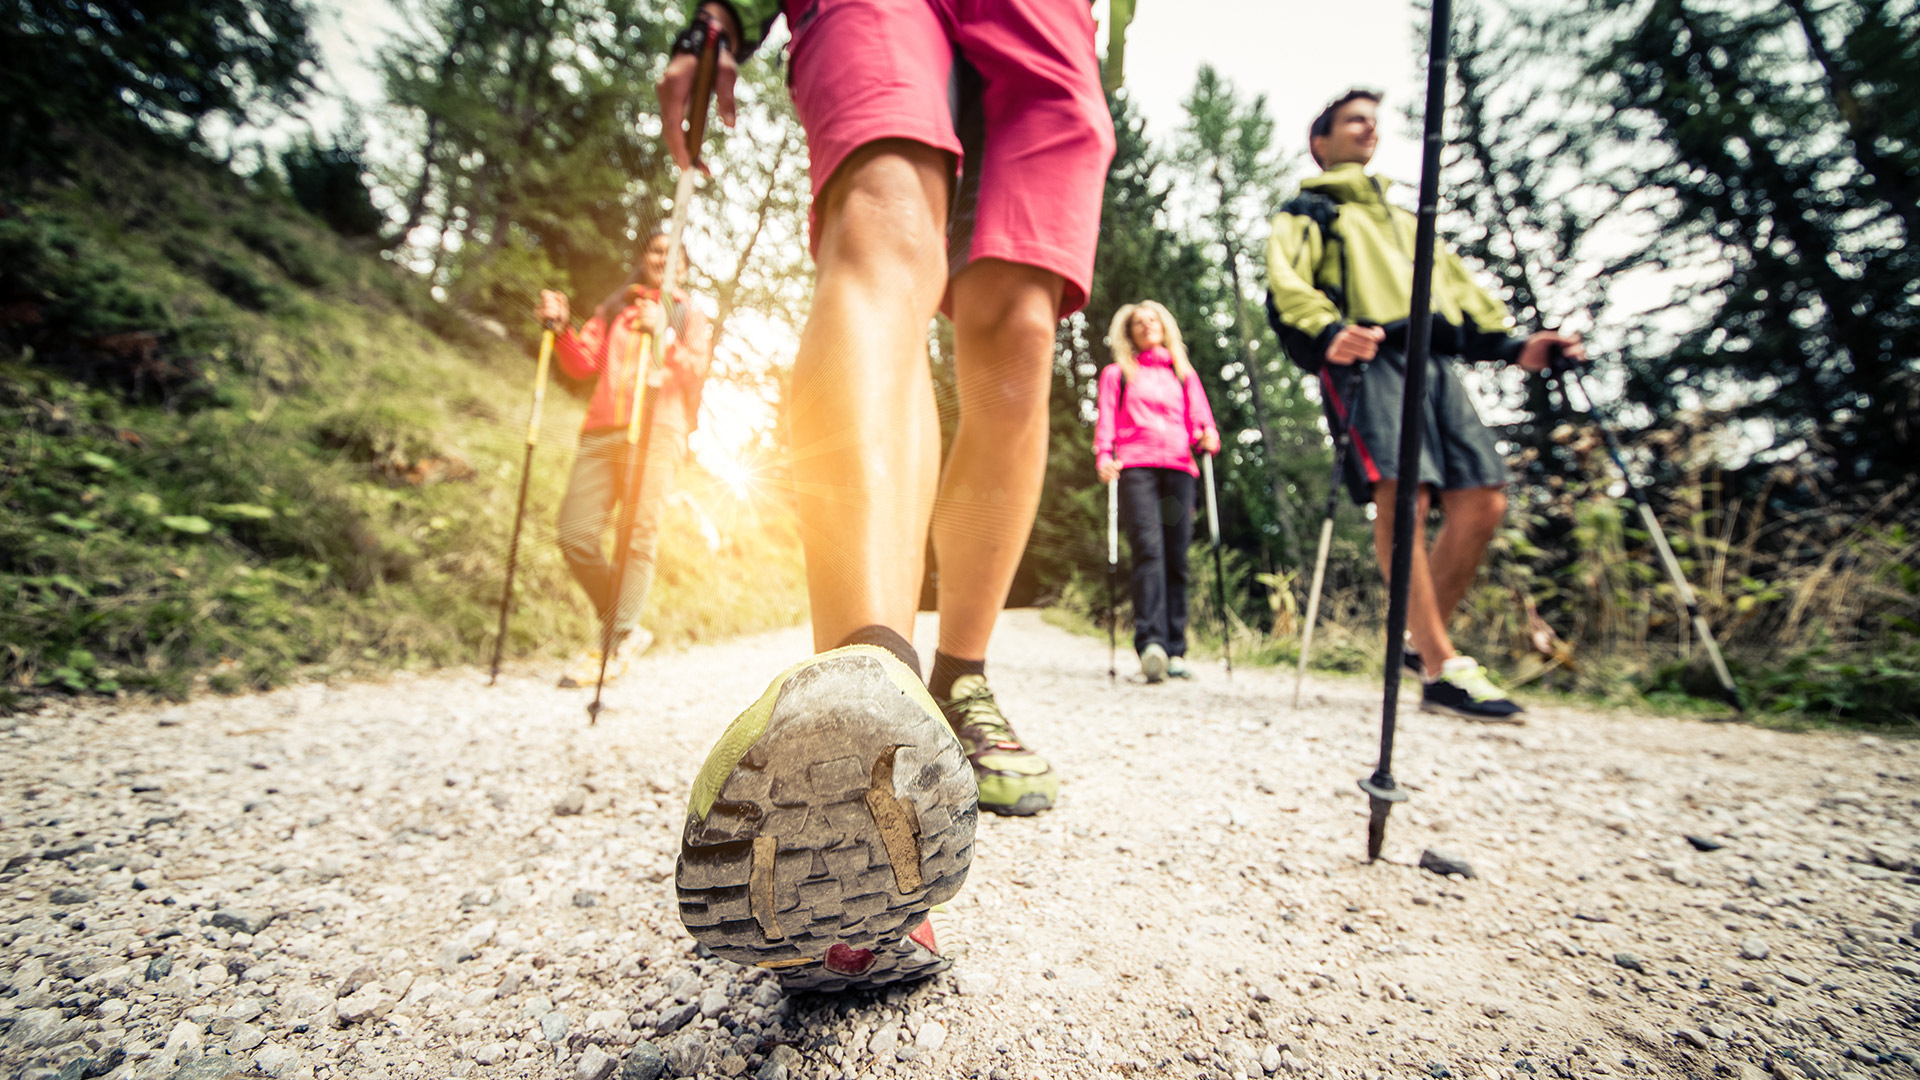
<point x="235" y="449"/>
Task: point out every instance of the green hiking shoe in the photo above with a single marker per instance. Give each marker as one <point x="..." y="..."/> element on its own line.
<point x="584" y="668"/>
<point x="828" y="821"/>
<point x="1013" y="779"/>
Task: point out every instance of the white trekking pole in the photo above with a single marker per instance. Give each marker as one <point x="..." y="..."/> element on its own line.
<point x="1219" y="566"/>
<point x="1113" y="569"/>
<point x="1342" y="441"/>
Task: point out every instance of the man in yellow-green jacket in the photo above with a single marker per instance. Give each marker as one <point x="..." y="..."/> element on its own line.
<point x="1340" y="274"/>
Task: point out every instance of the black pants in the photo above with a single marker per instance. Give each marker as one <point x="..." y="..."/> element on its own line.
<point x="1156" y="512"/>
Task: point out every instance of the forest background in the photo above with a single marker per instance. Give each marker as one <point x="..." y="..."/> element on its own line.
<point x="265" y="408"/>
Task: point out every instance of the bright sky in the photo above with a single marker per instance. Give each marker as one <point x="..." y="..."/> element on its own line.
<point x="1299" y="55"/>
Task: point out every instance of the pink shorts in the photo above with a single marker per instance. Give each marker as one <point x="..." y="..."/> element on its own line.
<point x="1022" y="111"/>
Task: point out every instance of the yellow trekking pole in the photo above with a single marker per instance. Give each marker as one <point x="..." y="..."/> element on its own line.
<point x="639" y="433"/>
<point x="520" y="511"/>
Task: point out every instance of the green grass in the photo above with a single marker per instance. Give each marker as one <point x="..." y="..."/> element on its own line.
<point x="291" y="461"/>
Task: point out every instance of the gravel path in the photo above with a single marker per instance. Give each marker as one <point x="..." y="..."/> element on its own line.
<point x="423" y="878"/>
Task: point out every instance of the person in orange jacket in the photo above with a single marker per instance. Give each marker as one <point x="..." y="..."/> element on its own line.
<point x="607" y="348"/>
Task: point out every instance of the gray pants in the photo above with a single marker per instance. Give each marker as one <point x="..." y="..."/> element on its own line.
<point x="1456" y="452"/>
<point x="593" y="490"/>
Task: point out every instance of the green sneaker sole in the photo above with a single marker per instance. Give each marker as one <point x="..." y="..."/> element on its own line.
<point x="1027" y="805"/>
<point x="830" y="818"/>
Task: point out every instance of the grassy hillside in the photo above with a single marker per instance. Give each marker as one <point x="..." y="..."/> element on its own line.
<point x="234" y="447"/>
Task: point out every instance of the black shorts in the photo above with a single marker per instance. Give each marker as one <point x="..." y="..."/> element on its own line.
<point x="1458" y="451"/>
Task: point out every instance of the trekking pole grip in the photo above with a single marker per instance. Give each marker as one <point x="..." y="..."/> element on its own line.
<point x="704" y="76"/>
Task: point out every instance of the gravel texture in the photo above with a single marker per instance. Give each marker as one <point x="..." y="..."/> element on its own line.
<point x="423" y="877"/>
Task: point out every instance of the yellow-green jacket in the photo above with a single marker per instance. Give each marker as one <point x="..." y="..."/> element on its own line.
<point x="1339" y="253"/>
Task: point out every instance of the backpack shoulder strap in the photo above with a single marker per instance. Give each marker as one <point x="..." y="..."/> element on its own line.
<point x="1315" y="207"/>
<point x="1324" y="213"/>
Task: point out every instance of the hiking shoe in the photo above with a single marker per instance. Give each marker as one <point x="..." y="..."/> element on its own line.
<point x="1013" y="779"/>
<point x="1153" y="663"/>
<point x="1464" y="690"/>
<point x="828" y="821"/>
<point x="1410" y="658"/>
<point x="1177" y="668"/>
<point x="584" y="668"/>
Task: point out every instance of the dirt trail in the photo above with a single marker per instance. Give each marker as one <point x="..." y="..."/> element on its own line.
<point x="422" y="877"/>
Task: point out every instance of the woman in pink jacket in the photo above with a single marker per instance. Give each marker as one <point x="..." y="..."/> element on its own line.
<point x="1153" y="413"/>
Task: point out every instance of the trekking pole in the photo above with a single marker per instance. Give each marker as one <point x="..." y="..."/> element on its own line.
<point x="639" y="435"/>
<point x="1564" y="371"/>
<point x="1113" y="568"/>
<point x="1342" y="442"/>
<point x="650" y="354"/>
<point x="520" y="510"/>
<point x="1219" y="566"/>
<point x="1381" y="790"/>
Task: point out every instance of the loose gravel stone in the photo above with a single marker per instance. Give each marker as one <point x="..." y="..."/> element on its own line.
<point x="931" y="1036"/>
<point x="241" y="920"/>
<point x="213" y="1067"/>
<point x="1445" y="863"/>
<point x="644" y="1061"/>
<point x="1752" y="948"/>
<point x="594" y="1064"/>
<point x="675" y="1018"/>
<point x="276" y="1060"/>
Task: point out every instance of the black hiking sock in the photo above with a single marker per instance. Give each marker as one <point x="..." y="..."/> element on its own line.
<point x="887" y="639"/>
<point x="948" y="668"/>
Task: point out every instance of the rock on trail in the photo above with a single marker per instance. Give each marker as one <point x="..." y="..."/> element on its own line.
<point x="422" y="878"/>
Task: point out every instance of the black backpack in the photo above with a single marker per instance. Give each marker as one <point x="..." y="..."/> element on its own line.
<point x="1323" y="212"/>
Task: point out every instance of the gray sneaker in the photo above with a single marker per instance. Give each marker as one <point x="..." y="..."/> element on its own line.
<point x="1153" y="663"/>
<point x="1177" y="668"/>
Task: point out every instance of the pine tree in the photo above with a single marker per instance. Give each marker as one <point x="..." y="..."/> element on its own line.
<point x="170" y="64"/>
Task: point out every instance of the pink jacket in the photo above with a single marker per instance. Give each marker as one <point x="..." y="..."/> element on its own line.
<point x="596" y="350"/>
<point x="1161" y="421"/>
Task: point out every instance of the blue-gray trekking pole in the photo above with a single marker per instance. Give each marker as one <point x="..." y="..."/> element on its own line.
<point x="520" y="510"/>
<point x="1381" y="791"/>
<point x="1219" y="566"/>
<point x="1342" y="443"/>
<point x="652" y="355"/>
<point x="1565" y="372"/>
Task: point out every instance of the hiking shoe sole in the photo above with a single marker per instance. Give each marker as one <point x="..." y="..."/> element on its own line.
<point x="1027" y="805"/>
<point x="830" y="818"/>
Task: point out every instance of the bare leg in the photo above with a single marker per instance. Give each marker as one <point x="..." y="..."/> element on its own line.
<point x="1471" y="517"/>
<point x="865" y="434"/>
<point x="1004" y="319"/>
<point x="1425" y="621"/>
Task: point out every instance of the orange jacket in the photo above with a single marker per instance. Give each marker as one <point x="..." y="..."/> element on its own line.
<point x="613" y="357"/>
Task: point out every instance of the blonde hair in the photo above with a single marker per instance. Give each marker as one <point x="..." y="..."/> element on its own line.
<point x="1120" y="340"/>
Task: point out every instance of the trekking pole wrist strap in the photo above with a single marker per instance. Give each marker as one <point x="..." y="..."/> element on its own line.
<point x="693" y="40"/>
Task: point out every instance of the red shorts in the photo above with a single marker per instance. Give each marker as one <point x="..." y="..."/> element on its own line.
<point x="1022" y="111"/>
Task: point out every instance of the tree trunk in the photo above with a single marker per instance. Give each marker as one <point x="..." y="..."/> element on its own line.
<point x="1256" y="383"/>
